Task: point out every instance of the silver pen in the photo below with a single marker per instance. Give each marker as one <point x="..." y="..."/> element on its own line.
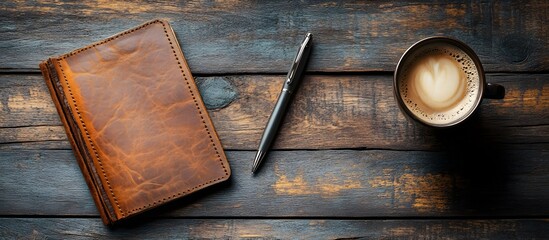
<point x="291" y="83"/>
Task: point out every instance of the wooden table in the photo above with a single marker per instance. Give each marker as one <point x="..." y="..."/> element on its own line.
<point x="347" y="163"/>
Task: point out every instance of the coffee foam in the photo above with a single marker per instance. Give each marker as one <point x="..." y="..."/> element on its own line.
<point x="439" y="83"/>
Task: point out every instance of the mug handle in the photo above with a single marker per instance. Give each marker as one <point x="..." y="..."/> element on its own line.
<point x="494" y="91"/>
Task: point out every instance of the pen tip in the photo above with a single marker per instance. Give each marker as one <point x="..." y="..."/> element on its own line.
<point x="258" y="158"/>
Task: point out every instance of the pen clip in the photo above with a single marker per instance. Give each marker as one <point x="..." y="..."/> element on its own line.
<point x="298" y="59"/>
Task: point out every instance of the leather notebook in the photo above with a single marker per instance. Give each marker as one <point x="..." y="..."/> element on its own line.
<point x="135" y="120"/>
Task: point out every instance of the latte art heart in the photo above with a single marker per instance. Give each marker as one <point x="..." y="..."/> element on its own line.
<point x="439" y="82"/>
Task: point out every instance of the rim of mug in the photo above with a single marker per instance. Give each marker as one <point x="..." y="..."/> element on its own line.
<point x="454" y="42"/>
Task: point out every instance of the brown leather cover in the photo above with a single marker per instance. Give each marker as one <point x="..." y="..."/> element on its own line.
<point x="135" y="119"/>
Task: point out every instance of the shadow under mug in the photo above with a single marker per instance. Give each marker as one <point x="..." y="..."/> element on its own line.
<point x="475" y="86"/>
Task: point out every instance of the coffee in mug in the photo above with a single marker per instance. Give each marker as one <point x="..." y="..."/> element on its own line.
<point x="440" y="82"/>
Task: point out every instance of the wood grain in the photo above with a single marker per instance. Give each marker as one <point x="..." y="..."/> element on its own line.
<point x="346" y="165"/>
<point x="41" y="228"/>
<point x="242" y="36"/>
<point x="328" y="112"/>
<point x="461" y="182"/>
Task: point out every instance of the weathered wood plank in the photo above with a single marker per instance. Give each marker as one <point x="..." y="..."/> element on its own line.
<point x="243" y="36"/>
<point x="328" y="111"/>
<point x="464" y="181"/>
<point x="82" y="228"/>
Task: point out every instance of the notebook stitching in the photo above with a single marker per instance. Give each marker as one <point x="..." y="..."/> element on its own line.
<point x="194" y="99"/>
